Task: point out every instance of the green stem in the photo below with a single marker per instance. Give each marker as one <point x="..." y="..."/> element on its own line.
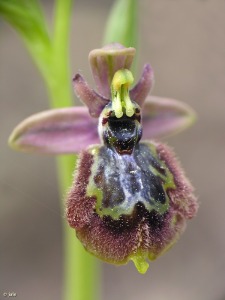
<point x="81" y="271"/>
<point x="61" y="75"/>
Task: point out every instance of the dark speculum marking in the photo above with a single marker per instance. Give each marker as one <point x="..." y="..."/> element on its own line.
<point x="122" y="182"/>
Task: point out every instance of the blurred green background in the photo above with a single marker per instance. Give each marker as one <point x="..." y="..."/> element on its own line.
<point x="184" y="42"/>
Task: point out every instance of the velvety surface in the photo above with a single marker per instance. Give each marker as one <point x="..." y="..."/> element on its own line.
<point x="124" y="206"/>
<point x="184" y="42"/>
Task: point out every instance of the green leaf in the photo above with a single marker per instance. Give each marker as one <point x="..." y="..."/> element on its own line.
<point x="122" y="24"/>
<point x="27" y="18"/>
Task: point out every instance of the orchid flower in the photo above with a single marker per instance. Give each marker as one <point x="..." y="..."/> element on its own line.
<point x="129" y="200"/>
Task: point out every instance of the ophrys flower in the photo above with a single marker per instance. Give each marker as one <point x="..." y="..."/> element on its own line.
<point x="130" y="200"/>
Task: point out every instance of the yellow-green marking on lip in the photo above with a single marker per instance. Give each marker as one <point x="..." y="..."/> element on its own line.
<point x="121" y="82"/>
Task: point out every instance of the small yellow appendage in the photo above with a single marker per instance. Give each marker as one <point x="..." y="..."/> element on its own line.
<point x="140" y="263"/>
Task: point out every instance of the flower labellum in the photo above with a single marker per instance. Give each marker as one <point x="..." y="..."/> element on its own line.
<point x="130" y="199"/>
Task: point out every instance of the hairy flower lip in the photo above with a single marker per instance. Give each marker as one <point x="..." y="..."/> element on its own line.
<point x="116" y="241"/>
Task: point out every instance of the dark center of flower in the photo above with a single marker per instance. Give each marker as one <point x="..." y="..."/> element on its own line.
<point x="122" y="134"/>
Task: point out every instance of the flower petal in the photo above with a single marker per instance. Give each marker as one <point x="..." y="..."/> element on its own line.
<point x="163" y="117"/>
<point x="144" y="85"/>
<point x="106" y="61"/>
<point x="56" y="131"/>
<point x="94" y="101"/>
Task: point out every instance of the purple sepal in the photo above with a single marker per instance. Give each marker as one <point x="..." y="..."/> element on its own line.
<point x="56" y="131"/>
<point x="164" y="117"/>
